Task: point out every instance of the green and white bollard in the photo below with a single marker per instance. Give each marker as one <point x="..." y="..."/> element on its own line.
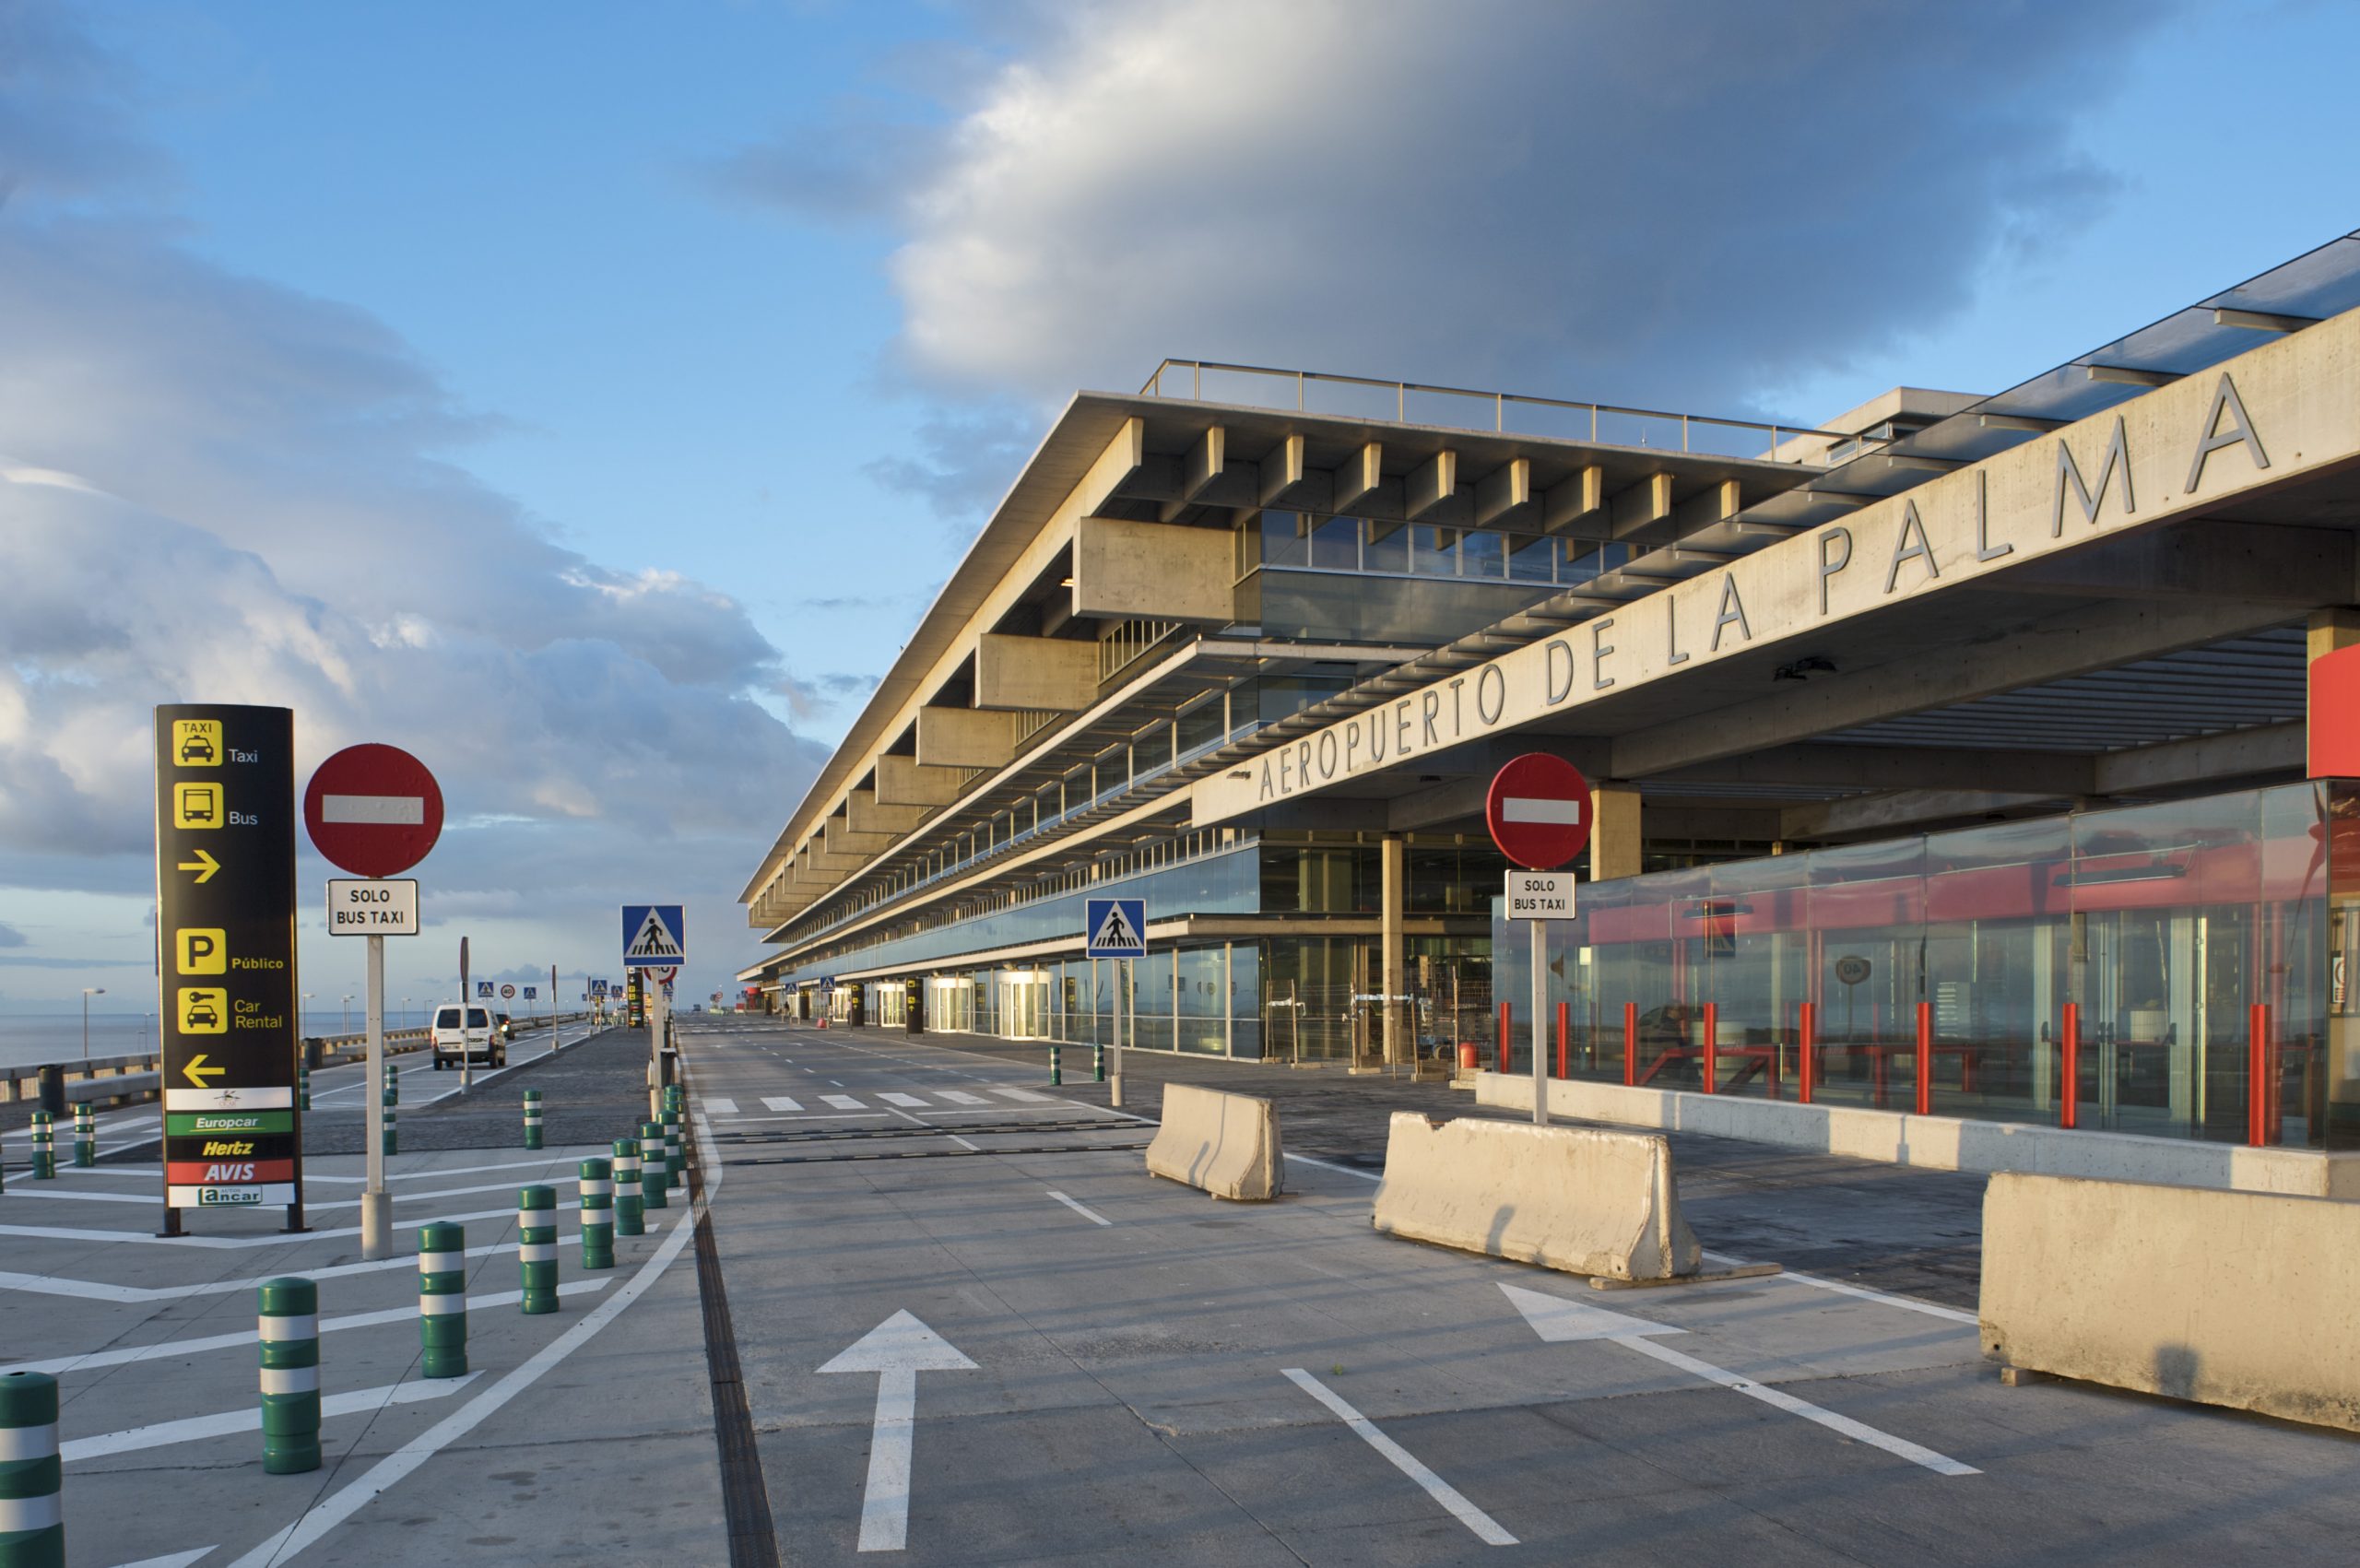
<point x="44" y="1149"/>
<point x="442" y="1300"/>
<point x="536" y="1248"/>
<point x="290" y="1375"/>
<point x="653" y="1177"/>
<point x="304" y="1085"/>
<point x="676" y="1165"/>
<point x="86" y="1138"/>
<point x="532" y="1118"/>
<point x="392" y="1083"/>
<point x="32" y="1510"/>
<point x="1057" y="1066"/>
<point x="391" y="1139"/>
<point x="628" y="1222"/>
<point x="1098" y="1064"/>
<point x="597" y="1214"/>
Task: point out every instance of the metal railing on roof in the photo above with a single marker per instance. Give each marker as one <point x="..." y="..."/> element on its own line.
<point x="1458" y="407"/>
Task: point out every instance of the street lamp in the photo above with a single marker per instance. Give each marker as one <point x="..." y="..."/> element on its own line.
<point x="348" y="1015"/>
<point x="405" y="1012"/>
<point x="302" y="1019"/>
<point x="88" y="991"/>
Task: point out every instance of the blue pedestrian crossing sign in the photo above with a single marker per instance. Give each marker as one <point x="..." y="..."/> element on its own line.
<point x="654" y="935"/>
<point x="1116" y="927"/>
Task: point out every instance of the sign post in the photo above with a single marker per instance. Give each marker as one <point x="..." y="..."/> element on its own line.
<point x="466" y="1076"/>
<point x="374" y="811"/>
<point x="225" y="972"/>
<point x="655" y="939"/>
<point x="1538" y="809"/>
<point x="1116" y="929"/>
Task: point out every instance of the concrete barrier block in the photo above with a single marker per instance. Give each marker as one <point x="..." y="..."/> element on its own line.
<point x="2240" y="1299"/>
<point x="1227" y="1144"/>
<point x="1581" y="1199"/>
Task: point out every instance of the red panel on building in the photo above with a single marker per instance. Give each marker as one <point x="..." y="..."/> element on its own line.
<point x="2335" y="715"/>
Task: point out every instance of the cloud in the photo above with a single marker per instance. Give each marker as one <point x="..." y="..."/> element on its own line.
<point x="10" y="936"/>
<point x="215" y="487"/>
<point x="1690" y="204"/>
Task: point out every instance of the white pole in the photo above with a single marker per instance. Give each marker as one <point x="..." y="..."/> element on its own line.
<point x="376" y="1208"/>
<point x="1540" y="1028"/>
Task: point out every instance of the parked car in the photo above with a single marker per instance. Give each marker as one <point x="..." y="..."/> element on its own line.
<point x="456" y="1039"/>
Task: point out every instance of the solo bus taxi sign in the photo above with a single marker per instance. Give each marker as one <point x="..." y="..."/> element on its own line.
<point x="373" y="907"/>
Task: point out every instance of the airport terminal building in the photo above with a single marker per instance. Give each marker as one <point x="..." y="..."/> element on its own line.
<point x="1992" y="756"/>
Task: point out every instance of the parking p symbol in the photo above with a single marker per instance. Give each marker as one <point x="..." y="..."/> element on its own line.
<point x="203" y="950"/>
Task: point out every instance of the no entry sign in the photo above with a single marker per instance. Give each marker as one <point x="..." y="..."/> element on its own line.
<point x="1539" y="811"/>
<point x="373" y="810"/>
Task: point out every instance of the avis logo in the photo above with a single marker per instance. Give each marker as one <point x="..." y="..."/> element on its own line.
<point x="243" y="1171"/>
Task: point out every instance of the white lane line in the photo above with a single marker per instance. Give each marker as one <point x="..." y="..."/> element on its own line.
<point x="1858" y="1431"/>
<point x="1487" y="1530"/>
<point x="173" y="1559"/>
<point x="1907" y="1303"/>
<point x="100" y="1290"/>
<point x="340" y="1506"/>
<point x="67" y="1234"/>
<point x="545" y="1162"/>
<point x="1083" y="1209"/>
<point x="844" y="1102"/>
<point x="781" y="1102"/>
<point x="961" y="1097"/>
<point x="922" y="1121"/>
<point x="171" y="1347"/>
<point x="1024" y="1094"/>
<point x="721" y="1105"/>
<point x="910" y="1099"/>
<point x="835" y="1083"/>
<point x="806" y="1116"/>
<point x="195" y="1428"/>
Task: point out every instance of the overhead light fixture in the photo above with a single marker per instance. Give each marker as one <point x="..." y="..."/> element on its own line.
<point x="1064" y="582"/>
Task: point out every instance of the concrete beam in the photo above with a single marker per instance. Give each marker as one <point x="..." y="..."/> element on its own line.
<point x="1895" y="767"/>
<point x="901" y="781"/>
<point x="1614" y="830"/>
<point x="1151" y="571"/>
<point x="1907" y="809"/>
<point x="838" y="839"/>
<point x="1430" y="484"/>
<point x="1358" y="478"/>
<point x="2209" y="559"/>
<point x="1574" y="503"/>
<point x="1503" y="495"/>
<point x="1281" y="473"/>
<point x="1715" y="503"/>
<point x="2062" y="645"/>
<point x="1640" y="506"/>
<point x="965" y="737"/>
<point x="2245" y="753"/>
<point x="1454" y="800"/>
<point x="870" y="815"/>
<point x="1056" y="674"/>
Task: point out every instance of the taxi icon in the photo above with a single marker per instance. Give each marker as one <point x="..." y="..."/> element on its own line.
<point x="197" y="750"/>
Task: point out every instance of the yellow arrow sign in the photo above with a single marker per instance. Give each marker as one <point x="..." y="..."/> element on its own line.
<point x="197" y="1072"/>
<point x="204" y="866"/>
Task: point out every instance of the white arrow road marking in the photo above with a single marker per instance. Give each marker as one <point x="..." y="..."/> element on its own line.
<point x="197" y="1428"/>
<point x="1487" y="1530"/>
<point x="896" y="1351"/>
<point x="1555" y="1319"/>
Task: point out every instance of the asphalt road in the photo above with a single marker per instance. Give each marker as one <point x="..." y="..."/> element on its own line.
<point x="970" y="1329"/>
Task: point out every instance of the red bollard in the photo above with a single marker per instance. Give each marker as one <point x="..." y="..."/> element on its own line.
<point x="1925" y="1058"/>
<point x="1507" y="1023"/>
<point x="1807" y="1044"/>
<point x="1712" y="1047"/>
<point x="1630" y="1042"/>
<point x="2261" y="1098"/>
<point x="1564" y="1033"/>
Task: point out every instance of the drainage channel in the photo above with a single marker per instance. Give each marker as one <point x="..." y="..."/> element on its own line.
<point x="745" y="1495"/>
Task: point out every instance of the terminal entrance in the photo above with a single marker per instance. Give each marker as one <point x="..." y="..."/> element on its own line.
<point x="1023" y="1004"/>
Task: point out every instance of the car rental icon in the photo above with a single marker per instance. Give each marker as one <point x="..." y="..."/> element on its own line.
<point x="201" y="1014"/>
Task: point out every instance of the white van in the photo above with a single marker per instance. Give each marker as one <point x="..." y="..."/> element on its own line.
<point x="473" y="1041"/>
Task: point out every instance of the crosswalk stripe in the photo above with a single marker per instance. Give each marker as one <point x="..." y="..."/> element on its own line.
<point x="1024" y="1094"/>
<point x="889" y="1099"/>
<point x="781" y="1103"/>
<point x="844" y="1102"/>
<point x="961" y="1097"/>
<point x="721" y="1105"/>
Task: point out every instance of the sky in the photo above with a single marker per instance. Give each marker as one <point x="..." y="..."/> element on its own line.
<point x="590" y="399"/>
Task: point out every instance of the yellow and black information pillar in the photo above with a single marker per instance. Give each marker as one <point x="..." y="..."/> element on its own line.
<point x="636" y="999"/>
<point x="225" y="917"/>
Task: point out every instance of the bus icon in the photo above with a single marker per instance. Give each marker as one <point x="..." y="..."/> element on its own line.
<point x="196" y="806"/>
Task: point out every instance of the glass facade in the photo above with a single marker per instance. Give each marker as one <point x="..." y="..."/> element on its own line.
<point x="2138" y="965"/>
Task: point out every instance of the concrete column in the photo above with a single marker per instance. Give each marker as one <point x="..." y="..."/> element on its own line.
<point x="1393" y="862"/>
<point x="2330" y="629"/>
<point x="1614" y="832"/>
